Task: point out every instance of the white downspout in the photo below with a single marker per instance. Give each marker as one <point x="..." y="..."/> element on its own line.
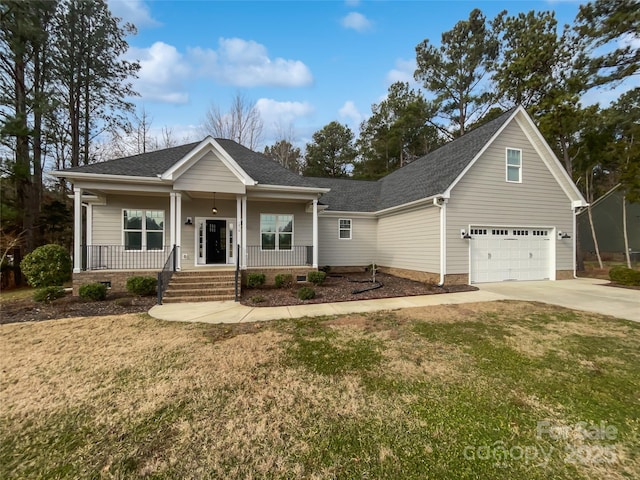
<point x="441" y="203"/>
<point x="574" y="239"/>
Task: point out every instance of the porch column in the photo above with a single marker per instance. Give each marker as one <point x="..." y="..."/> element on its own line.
<point x="315" y="233"/>
<point x="244" y="232"/>
<point x="77" y="229"/>
<point x="173" y="225"/>
<point x="239" y="223"/>
<point x="178" y="229"/>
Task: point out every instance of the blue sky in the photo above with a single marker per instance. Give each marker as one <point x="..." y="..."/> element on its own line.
<point x="304" y="63"/>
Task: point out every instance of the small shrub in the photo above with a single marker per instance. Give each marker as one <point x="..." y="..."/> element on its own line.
<point x="142" y="286"/>
<point x="48" y="294"/>
<point x="257" y="299"/>
<point x="284" y="280"/>
<point x="255" y="280"/>
<point x="93" y="291"/>
<point x="47" y="266"/>
<point x="370" y="267"/>
<point x="306" y="293"/>
<point x="624" y="276"/>
<point x="317" y="278"/>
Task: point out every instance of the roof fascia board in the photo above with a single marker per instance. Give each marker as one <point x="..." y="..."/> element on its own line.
<point x="107" y="177"/>
<point x="447" y="192"/>
<point x="555" y="167"/>
<point x="428" y="201"/>
<point x="112" y="186"/>
<point x="343" y="214"/>
<point x="286" y="188"/>
<point x="198" y="152"/>
<point x="281" y="195"/>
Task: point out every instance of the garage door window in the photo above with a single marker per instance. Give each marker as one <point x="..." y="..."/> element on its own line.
<point x="514" y="165"/>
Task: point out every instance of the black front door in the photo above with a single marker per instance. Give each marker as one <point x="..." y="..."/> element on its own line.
<point x="216" y="241"/>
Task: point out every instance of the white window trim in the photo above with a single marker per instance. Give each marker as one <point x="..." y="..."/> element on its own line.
<point x="277" y="249"/>
<point x="506" y="165"/>
<point x="350" y="229"/>
<point x="143" y="246"/>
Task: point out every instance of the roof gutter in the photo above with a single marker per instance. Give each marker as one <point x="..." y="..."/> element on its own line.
<point x="108" y="177"/>
<point x="284" y="188"/>
<point x="415" y="203"/>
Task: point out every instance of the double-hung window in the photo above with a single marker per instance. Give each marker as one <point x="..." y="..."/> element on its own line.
<point x="143" y="229"/>
<point x="276" y="232"/>
<point x="344" y="229"/>
<point x="514" y="165"/>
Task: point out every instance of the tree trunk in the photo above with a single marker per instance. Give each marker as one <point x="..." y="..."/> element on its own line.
<point x="624" y="231"/>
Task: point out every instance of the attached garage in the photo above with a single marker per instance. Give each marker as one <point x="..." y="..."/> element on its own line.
<point x="516" y="253"/>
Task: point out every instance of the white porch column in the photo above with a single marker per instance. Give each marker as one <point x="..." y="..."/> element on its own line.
<point x="173" y="225"/>
<point x="315" y="233"/>
<point x="178" y="229"/>
<point x="239" y="223"/>
<point x="244" y="232"/>
<point x="77" y="229"/>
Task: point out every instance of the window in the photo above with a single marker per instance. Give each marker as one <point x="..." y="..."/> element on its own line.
<point x="514" y="165"/>
<point x="276" y="232"/>
<point x="344" y="229"/>
<point x="143" y="229"/>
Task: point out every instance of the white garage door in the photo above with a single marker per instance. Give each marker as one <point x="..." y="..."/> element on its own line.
<point x="499" y="254"/>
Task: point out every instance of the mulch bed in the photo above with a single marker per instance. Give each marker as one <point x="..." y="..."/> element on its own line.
<point x="339" y="288"/>
<point x="26" y="310"/>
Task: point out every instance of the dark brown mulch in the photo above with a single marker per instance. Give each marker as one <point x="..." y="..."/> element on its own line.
<point x="340" y="289"/>
<point x="26" y="310"/>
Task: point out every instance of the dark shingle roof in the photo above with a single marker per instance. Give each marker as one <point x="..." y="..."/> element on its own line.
<point x="149" y="164"/>
<point x="423" y="178"/>
<point x="436" y="171"/>
<point x="348" y="195"/>
<point x="261" y="168"/>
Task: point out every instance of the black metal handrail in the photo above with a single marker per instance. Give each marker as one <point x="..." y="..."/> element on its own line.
<point x="119" y="257"/>
<point x="164" y="276"/>
<point x="237" y="279"/>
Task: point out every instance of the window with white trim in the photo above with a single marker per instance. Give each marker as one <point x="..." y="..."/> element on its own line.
<point x="344" y="229"/>
<point x="143" y="229"/>
<point x="276" y="232"/>
<point x="514" y="165"/>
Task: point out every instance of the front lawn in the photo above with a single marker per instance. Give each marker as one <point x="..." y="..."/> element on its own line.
<point x="490" y="390"/>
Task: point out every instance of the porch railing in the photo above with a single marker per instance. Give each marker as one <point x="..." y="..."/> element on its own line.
<point x="117" y="257"/>
<point x="164" y="276"/>
<point x="299" y="255"/>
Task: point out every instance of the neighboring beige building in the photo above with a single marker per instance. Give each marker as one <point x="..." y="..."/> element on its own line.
<point x="492" y="205"/>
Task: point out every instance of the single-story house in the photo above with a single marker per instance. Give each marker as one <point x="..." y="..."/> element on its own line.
<point x="492" y="205"/>
<point x="607" y="216"/>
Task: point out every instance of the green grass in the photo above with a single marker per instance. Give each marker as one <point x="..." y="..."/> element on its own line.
<point x="441" y="392"/>
<point x="15" y="294"/>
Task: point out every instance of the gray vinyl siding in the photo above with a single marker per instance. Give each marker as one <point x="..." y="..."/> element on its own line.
<point x="410" y="240"/>
<point x="302" y="221"/>
<point x="209" y="174"/>
<point x="360" y="250"/>
<point x="484" y="198"/>
<point x="107" y="219"/>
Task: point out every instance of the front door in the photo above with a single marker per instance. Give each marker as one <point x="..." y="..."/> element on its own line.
<point x="216" y="241"/>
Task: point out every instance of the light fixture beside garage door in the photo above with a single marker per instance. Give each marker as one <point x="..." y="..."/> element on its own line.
<point x="464" y="235"/>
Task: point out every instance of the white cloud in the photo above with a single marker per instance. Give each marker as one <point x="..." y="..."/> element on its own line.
<point x="133" y="11"/>
<point x="275" y="113"/>
<point x="245" y="63"/>
<point x="403" y="72"/>
<point x="356" y="21"/>
<point x="162" y="72"/>
<point x="350" y="112"/>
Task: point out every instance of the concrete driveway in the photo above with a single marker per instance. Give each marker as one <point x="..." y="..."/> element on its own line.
<point x="587" y="294"/>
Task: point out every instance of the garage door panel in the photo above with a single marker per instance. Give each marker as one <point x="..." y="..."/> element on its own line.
<point x="499" y="254"/>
